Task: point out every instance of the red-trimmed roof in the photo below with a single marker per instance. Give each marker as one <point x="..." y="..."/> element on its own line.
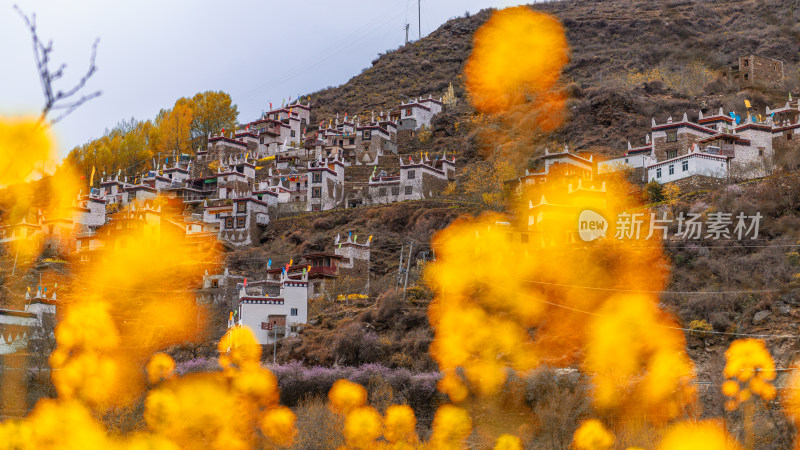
<point x="787" y="127"/>
<point x="689" y="155"/>
<point x="756" y="126"/>
<point x="717" y="118"/>
<point x="647" y="148"/>
<point x="137" y="187"/>
<point x="737" y="139"/>
<point x="424" y="166"/>
<point x="227" y="139"/>
<point x="323" y="255"/>
<point x="250" y="199"/>
<point x="411" y="105"/>
<point x="681" y="124"/>
<point x="274" y="194"/>
<point x="272" y="121"/>
<point x="373" y="127"/>
<point x="172" y="169"/>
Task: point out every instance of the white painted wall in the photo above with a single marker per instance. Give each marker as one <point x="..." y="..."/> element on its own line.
<point x="697" y="164"/>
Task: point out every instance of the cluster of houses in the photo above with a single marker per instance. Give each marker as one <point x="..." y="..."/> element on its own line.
<point x="232" y="189"/>
<point x="272" y="165"/>
<point x="716" y="145"/>
<point x="244" y="179"/>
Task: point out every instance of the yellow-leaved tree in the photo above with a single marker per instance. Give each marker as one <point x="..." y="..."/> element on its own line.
<point x="486" y="181"/>
<point x="213" y="111"/>
<point x="130" y="147"/>
<point x="173" y="127"/>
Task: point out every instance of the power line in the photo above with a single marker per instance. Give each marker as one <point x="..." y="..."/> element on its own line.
<point x="642" y="291"/>
<point x="354" y="37"/>
<point x="722" y="333"/>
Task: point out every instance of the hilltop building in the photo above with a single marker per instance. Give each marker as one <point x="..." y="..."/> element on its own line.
<point x="417" y="113"/>
<point x="716" y="146"/>
<point x="272" y="317"/>
<point x="569" y="166"/>
<point x="755" y="70"/>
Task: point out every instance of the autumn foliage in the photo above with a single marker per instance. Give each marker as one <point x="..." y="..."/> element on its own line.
<point x="132" y="145"/>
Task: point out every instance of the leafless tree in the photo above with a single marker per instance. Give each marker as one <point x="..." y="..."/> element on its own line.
<point x="56" y="99"/>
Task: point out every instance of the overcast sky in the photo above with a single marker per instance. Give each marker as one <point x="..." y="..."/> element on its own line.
<point x="154" y="52"/>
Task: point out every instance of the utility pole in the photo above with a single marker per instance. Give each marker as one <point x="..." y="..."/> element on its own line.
<point x="407" y="26"/>
<point x="408" y="268"/>
<point x="367" y="278"/>
<point x="419" y="16"/>
<point x="399" y="267"/>
<point x="16" y="255"/>
<point x="274" y="341"/>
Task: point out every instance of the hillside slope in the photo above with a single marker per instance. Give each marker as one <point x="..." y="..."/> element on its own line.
<point x="608" y="40"/>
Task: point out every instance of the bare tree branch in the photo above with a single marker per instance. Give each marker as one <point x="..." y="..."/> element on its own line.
<point x="70" y="107"/>
<point x="61" y="99"/>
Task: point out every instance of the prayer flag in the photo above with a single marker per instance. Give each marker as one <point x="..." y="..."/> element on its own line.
<point x="747" y="103"/>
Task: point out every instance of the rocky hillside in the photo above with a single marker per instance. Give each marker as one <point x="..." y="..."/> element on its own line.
<point x="609" y="40"/>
